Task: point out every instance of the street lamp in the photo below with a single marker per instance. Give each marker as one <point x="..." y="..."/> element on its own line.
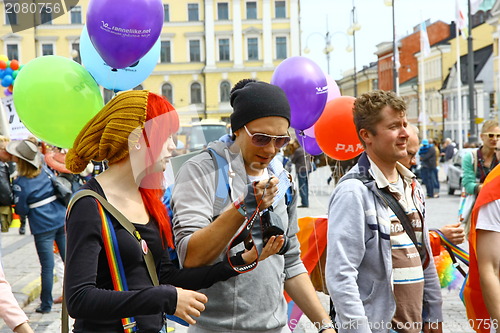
<point x="355" y="26"/>
<point x="395" y="74"/>
<point x="328" y="45"/>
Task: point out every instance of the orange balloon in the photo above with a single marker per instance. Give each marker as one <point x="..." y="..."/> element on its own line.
<point x="335" y="130"/>
<point x="14" y="64"/>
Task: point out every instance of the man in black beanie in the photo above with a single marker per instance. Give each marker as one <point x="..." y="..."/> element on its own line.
<point x="209" y="228"/>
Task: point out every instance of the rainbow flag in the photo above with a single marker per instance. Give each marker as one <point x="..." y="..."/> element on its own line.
<point x="312" y="238"/>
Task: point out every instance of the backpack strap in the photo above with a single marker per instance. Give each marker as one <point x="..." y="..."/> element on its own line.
<point x="395" y="206"/>
<point x="223" y="189"/>
<point x="124" y="222"/>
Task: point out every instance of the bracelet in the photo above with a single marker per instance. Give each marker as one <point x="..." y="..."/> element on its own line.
<point x="325" y="327"/>
<point x="239" y="204"/>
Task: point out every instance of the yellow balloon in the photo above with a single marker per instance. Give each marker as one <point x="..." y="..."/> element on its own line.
<point x="3" y="57"/>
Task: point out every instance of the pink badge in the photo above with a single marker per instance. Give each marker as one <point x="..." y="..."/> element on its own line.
<point x="144" y="246"/>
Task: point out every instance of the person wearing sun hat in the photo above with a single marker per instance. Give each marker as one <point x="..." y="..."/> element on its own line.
<point x="205" y="225"/>
<point x="34" y="196"/>
<point x="133" y="133"/>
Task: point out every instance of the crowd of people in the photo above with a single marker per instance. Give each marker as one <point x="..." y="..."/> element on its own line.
<point x="231" y="220"/>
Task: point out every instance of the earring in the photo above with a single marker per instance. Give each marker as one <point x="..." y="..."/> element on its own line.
<point x="137" y="146"/>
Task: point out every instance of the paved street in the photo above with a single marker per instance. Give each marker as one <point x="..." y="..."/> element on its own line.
<point x="22" y="268"/>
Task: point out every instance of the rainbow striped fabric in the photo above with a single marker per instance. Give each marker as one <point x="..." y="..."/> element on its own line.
<point x="115" y="262"/>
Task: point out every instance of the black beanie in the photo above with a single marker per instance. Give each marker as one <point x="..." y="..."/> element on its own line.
<point x="252" y="100"/>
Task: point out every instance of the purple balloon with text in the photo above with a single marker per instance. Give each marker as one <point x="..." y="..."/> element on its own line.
<point x="308" y="141"/>
<point x="305" y="87"/>
<point x="123" y="31"/>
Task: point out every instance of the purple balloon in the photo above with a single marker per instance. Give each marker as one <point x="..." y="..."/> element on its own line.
<point x="308" y="142"/>
<point x="123" y="31"/>
<point x="333" y="88"/>
<point x="7" y="92"/>
<point x="305" y="87"/>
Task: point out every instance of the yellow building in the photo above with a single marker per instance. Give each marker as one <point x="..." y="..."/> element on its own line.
<point x="206" y="47"/>
<point x="366" y="80"/>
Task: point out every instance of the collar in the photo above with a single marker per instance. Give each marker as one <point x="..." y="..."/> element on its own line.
<point x="382" y="181"/>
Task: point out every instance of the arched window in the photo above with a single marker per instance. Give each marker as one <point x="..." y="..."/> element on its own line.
<point x="225" y="89"/>
<point x="139" y="87"/>
<point x="166" y="91"/>
<point x="195" y="93"/>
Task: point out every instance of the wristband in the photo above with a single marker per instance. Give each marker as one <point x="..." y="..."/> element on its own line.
<point x="239" y="204"/>
<point x="325" y="327"/>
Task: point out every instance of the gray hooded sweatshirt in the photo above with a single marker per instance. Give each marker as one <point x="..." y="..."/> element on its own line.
<point x="251" y="301"/>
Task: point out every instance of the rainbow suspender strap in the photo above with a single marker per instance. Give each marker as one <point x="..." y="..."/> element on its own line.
<point x="115" y="262"/>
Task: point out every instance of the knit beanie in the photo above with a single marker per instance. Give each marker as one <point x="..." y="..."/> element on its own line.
<point x="252" y="100"/>
<point x="106" y="136"/>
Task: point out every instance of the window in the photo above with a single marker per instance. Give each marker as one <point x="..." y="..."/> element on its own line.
<point x="75" y="53"/>
<point x="11" y="18"/>
<point x="280" y="47"/>
<point x="224" y="49"/>
<point x="165" y="55"/>
<point x="46" y="15"/>
<point x="138" y="87"/>
<point x="47" y="49"/>
<point x="194" y="51"/>
<point x="253" y="49"/>
<point x="12" y="51"/>
<point x="195" y="93"/>
<point x="76" y="15"/>
<point x="166" y="91"/>
<point x="223" y="11"/>
<point x="166" y="13"/>
<point x="193" y="12"/>
<point x="279" y="9"/>
<point x="225" y="89"/>
<point x="251" y="10"/>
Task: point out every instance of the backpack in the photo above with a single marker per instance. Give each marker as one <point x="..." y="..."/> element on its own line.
<point x="6" y="196"/>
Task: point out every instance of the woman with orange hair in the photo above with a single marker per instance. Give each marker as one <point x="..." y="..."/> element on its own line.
<point x="133" y="134"/>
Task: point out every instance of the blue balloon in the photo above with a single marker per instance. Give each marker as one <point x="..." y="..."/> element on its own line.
<point x="7" y="81"/>
<point x="9" y="71"/>
<point x="2" y="73"/>
<point x="117" y="79"/>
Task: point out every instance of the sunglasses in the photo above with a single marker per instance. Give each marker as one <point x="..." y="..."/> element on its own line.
<point x="492" y="135"/>
<point x="262" y="140"/>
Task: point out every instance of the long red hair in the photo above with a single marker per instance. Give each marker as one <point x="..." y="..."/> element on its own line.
<point x="156" y="132"/>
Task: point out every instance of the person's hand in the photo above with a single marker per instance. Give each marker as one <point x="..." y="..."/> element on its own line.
<point x="23" y="328"/>
<point x="265" y="191"/>
<point x="273" y="246"/>
<point x="454" y="232"/>
<point x="189" y="304"/>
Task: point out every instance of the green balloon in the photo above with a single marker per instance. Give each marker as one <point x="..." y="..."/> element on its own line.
<point x="55" y="97"/>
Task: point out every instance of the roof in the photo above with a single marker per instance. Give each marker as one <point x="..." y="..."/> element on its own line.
<point x="481" y="56"/>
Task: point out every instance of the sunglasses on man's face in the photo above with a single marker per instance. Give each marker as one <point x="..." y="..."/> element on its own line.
<point x="262" y="140"/>
<point x="493" y="135"/>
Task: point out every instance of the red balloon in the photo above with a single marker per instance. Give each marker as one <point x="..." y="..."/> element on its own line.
<point x="14" y="64"/>
<point x="3" y="64"/>
<point x="335" y="130"/>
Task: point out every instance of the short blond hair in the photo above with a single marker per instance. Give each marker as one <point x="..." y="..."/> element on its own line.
<point x="4" y="139"/>
<point x="489" y="125"/>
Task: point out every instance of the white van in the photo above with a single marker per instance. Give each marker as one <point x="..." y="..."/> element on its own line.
<point x="205" y="131"/>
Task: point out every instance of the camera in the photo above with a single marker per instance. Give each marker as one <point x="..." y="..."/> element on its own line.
<point x="273" y="226"/>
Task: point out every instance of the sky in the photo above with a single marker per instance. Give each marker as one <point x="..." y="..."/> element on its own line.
<point x="375" y="19"/>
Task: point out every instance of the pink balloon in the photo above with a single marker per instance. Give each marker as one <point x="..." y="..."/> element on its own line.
<point x="333" y="88"/>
